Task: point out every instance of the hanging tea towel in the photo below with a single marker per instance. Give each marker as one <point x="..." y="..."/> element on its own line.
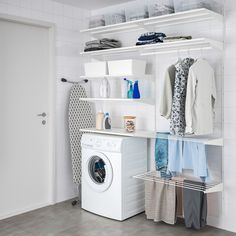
<point x="80" y="117"/>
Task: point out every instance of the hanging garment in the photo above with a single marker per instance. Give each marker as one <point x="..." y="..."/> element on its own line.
<point x="80" y="116"/>
<point x="195" y="206"/>
<point x="194" y="158"/>
<point x="161" y="157"/>
<point x="175" y="156"/>
<point x="179" y="196"/>
<point x="160" y="202"/>
<point x="200" y="98"/>
<point x="167" y="94"/>
<point x="177" y="122"/>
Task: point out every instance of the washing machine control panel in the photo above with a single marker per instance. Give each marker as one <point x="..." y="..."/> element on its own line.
<point x="105" y="143"/>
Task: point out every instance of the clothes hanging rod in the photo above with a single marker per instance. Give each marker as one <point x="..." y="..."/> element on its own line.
<point x="74" y="82"/>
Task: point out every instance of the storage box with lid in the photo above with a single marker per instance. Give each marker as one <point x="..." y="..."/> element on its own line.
<point x="95" y="68"/>
<point x="126" y="67"/>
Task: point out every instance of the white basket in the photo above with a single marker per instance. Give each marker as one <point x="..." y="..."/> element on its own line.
<point x="183" y="5"/>
<point x="160" y="7"/>
<point x="95" y="68"/>
<point x="126" y="67"/>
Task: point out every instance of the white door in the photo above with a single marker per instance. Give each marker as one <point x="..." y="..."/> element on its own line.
<point x="25" y="137"/>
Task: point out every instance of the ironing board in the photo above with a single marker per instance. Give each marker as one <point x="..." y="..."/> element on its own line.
<point x="80" y="116"/>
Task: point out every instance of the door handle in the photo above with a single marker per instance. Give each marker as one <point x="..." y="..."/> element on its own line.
<point x="42" y="114"/>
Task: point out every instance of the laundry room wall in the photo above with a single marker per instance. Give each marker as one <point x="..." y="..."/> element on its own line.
<point x="69" y="42"/>
<point x="222" y="206"/>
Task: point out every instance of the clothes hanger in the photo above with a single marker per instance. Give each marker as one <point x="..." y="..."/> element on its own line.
<point x="179" y="58"/>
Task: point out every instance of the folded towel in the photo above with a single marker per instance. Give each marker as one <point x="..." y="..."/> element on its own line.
<point x="151" y="36"/>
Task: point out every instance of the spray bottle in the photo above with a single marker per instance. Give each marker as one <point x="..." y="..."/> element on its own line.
<point x="130" y="88"/>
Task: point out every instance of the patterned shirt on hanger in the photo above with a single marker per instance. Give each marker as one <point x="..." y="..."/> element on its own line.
<point x="177" y="122"/>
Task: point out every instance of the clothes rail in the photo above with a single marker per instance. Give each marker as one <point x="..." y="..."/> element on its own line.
<point x="207" y="188"/>
<point x="84" y="81"/>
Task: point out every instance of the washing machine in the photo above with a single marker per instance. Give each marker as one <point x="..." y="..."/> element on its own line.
<point x="108" y="166"/>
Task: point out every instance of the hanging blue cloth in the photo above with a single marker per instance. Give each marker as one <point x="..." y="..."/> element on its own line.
<point x="161" y="156"/>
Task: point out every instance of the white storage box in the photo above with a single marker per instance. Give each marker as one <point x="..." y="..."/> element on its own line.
<point x="183" y="5"/>
<point x="95" y="68"/>
<point x="160" y="7"/>
<point x="126" y="67"/>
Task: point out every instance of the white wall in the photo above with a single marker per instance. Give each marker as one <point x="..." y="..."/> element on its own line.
<point x="69" y="20"/>
<point x="228" y="215"/>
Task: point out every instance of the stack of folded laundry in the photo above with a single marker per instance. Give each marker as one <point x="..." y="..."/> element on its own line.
<point x="176" y="38"/>
<point x="101" y="44"/>
<point x="150" y="38"/>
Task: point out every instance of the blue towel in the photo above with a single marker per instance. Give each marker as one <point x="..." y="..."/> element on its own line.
<point x="161" y="157"/>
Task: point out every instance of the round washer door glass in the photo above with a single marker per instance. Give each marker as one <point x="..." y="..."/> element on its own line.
<point x="99" y="175"/>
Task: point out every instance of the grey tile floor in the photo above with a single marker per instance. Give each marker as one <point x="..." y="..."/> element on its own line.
<point x="65" y="220"/>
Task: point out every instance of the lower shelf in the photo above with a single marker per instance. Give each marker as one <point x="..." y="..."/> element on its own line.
<point x="154" y="177"/>
<point x="122" y="132"/>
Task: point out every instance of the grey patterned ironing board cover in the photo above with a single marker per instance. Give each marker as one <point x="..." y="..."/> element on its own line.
<point x="80" y="116"/>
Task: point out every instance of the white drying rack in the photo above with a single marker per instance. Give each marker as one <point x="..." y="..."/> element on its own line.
<point x="207" y="188"/>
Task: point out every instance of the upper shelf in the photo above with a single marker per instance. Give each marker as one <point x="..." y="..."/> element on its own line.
<point x="195" y="15"/>
<point x="179" y="45"/>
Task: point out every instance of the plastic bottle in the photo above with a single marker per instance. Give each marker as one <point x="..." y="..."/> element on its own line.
<point x="105" y="88"/>
<point x="130" y="91"/>
<point x="136" y="93"/>
<point x="107" y="121"/>
<point x="124" y="88"/>
<point x="99" y="120"/>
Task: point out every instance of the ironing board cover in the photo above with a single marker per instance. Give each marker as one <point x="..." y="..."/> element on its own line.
<point x="80" y="116"/>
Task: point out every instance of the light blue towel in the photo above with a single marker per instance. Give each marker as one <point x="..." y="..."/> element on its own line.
<point x="194" y="158"/>
<point x="187" y="155"/>
<point x="175" y="155"/>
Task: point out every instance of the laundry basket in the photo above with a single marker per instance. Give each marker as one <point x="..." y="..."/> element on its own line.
<point x="183" y="5"/>
<point x="160" y="7"/>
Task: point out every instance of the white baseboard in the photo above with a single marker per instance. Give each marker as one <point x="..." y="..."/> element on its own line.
<point x="27" y="209"/>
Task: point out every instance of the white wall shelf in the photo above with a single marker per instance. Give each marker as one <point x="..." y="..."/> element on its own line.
<point x="125" y="100"/>
<point x="139" y="77"/>
<point x="122" y="132"/>
<point x="168" y="47"/>
<point x="196" y="15"/>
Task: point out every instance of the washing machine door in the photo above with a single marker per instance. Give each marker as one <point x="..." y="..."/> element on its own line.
<point x="98" y="172"/>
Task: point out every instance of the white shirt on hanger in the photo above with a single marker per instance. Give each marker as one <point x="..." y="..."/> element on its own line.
<point x="200" y="99"/>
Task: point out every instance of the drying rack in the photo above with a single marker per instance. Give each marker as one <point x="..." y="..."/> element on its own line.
<point x="211" y="187"/>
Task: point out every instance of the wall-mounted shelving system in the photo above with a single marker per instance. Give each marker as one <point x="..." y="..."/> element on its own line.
<point x="191" y="16"/>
